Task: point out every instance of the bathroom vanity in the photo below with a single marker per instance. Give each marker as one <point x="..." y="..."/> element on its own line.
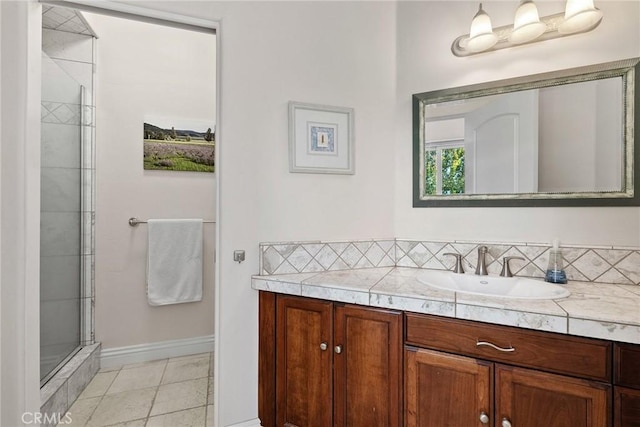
<point x="333" y="363"/>
<point x="373" y="347"/>
<point x="465" y="373"/>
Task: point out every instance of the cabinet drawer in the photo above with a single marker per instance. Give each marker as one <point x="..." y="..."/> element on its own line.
<point x="565" y="354"/>
<point x="627" y="365"/>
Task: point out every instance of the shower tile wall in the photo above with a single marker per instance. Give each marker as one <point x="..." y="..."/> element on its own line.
<point x="67" y="189"/>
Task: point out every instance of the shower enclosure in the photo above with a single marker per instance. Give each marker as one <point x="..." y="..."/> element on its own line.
<point x="67" y="170"/>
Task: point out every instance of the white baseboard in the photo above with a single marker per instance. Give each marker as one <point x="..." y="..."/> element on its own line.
<point x="250" y="423"/>
<point x="118" y="356"/>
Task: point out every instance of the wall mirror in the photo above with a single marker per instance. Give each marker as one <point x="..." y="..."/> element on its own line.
<point x="564" y="138"/>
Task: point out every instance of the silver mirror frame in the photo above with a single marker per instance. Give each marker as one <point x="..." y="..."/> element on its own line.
<point x="627" y="69"/>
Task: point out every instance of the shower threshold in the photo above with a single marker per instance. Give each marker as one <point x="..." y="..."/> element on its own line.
<point x="63" y="388"/>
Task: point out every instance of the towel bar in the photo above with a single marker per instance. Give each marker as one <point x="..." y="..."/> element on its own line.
<point x="133" y="221"/>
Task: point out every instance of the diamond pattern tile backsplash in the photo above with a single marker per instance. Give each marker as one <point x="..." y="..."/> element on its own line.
<point x="303" y="257"/>
<point x="598" y="264"/>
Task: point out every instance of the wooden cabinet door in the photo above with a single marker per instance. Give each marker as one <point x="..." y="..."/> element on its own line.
<point x="367" y="367"/>
<point x="627" y="365"/>
<point x="527" y="398"/>
<point x="627" y="407"/>
<point x="443" y="390"/>
<point x="304" y="362"/>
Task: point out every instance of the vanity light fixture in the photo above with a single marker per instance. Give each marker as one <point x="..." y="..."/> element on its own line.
<point x="580" y="16"/>
<point x="527" y="25"/>
<point x="481" y="35"/>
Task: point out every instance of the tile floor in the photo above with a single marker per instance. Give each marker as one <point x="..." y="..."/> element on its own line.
<point x="174" y="392"/>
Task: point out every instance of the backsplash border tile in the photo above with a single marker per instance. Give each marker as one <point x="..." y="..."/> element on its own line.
<point x="597" y="263"/>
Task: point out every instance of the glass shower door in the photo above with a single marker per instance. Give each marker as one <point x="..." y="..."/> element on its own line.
<point x="61" y="218"/>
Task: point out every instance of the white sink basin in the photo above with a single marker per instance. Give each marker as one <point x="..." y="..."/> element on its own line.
<point x="494" y="286"/>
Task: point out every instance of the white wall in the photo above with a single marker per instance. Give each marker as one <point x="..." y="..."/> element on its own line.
<point x="425" y="63"/>
<point x="145" y="69"/>
<point x="608" y="159"/>
<point x="20" y="38"/>
<point x="568" y="113"/>
<point x="2" y="118"/>
<point x="581" y="137"/>
<point x="336" y="53"/>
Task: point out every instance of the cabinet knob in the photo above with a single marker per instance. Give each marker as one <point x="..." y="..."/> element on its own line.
<point x="484" y="418"/>
<point x="506" y="423"/>
<point x="323" y="346"/>
<point x="338" y="349"/>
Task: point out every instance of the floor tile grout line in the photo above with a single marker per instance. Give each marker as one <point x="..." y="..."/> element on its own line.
<point x="209" y="386"/>
<point x="120" y="422"/>
<point x="143" y="364"/>
<point x="173" y="412"/>
<point x="155" y="395"/>
<point x="101" y="397"/>
<point x="187" y="379"/>
<point x="125" y="422"/>
<point x="177" y="382"/>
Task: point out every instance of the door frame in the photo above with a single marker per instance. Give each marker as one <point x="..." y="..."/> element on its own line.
<point x="31" y="330"/>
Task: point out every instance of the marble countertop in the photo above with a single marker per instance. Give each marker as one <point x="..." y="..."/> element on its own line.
<point x="594" y="310"/>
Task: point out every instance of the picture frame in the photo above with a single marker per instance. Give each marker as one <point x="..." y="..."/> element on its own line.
<point x="321" y="139"/>
<point x="178" y="144"/>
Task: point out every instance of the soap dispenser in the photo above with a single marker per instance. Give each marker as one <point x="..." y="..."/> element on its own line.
<point x="555" y="269"/>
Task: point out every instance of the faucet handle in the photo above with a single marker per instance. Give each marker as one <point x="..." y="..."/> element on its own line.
<point x="481" y="267"/>
<point x="458" y="268"/>
<point x="506" y="271"/>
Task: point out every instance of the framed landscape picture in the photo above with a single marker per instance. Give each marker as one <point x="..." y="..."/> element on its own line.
<point x="178" y="144"/>
<point x="320" y="139"/>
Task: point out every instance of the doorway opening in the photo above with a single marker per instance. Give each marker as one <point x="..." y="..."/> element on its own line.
<point x="111" y="76"/>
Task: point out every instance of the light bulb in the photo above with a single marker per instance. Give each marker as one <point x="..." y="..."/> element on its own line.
<point x="527" y="25"/>
<point x="579" y="15"/>
<point x="481" y="35"/>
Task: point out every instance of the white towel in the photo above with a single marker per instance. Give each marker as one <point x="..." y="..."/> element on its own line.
<point x="174" y="266"/>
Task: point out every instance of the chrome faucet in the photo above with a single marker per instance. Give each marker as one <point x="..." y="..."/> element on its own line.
<point x="481" y="268"/>
<point x="506" y="271"/>
<point x="458" y="267"/>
